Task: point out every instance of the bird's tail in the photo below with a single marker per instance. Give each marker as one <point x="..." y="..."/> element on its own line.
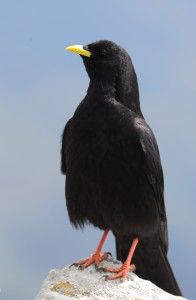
<point x="152" y="264"/>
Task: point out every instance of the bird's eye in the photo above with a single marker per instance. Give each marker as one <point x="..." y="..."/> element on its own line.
<point x="103" y="52"/>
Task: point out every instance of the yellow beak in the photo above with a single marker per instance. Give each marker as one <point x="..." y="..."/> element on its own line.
<point x="79" y="49"/>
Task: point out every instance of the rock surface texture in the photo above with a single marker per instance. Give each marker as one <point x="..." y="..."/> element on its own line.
<point x="89" y="284"/>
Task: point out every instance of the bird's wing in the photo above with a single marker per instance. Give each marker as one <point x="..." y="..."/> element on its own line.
<point x="63" y="147"/>
<point x="154" y="172"/>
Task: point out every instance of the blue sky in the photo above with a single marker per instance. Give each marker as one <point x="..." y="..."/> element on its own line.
<point x="40" y="87"/>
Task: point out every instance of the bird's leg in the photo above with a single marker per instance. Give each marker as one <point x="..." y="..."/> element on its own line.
<point x="126" y="267"/>
<point x="96" y="257"/>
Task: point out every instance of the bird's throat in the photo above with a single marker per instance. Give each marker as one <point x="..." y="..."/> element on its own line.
<point x="104" y="89"/>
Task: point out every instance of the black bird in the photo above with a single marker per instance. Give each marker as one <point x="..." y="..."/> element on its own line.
<point x="114" y="177"/>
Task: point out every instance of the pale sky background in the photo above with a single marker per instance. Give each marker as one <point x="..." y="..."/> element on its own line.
<point x="41" y="86"/>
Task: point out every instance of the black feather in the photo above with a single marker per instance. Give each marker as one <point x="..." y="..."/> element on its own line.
<point x="114" y="177"/>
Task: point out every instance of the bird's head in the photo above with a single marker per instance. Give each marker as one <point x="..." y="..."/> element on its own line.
<point x="104" y="60"/>
<point x="109" y="65"/>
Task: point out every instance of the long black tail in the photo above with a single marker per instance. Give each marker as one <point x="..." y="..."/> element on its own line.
<point x="151" y="263"/>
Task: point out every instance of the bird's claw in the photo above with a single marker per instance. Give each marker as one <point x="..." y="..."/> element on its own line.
<point x="106" y="277"/>
<point x="96" y="266"/>
<point x="74" y="264"/>
<point x="100" y="269"/>
<point x="80" y="267"/>
<point x="109" y="256"/>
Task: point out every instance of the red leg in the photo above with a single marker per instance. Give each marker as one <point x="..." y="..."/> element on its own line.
<point x="126" y="267"/>
<point x="96" y="256"/>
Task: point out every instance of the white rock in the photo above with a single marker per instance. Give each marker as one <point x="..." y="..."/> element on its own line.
<point x="88" y="284"/>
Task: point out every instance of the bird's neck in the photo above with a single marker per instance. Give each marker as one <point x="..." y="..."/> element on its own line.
<point x="123" y="89"/>
<point x="102" y="88"/>
<point x="127" y="91"/>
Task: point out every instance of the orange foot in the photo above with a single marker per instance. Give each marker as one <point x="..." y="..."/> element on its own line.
<point x="120" y="272"/>
<point x="125" y="268"/>
<point x="96" y="258"/>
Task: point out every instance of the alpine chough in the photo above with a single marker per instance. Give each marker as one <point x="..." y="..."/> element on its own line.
<point x="114" y="177"/>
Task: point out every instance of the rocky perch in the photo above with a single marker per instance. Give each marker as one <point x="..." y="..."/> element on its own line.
<point x="89" y="284"/>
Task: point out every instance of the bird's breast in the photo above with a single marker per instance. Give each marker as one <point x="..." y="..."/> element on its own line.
<point x="105" y="170"/>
